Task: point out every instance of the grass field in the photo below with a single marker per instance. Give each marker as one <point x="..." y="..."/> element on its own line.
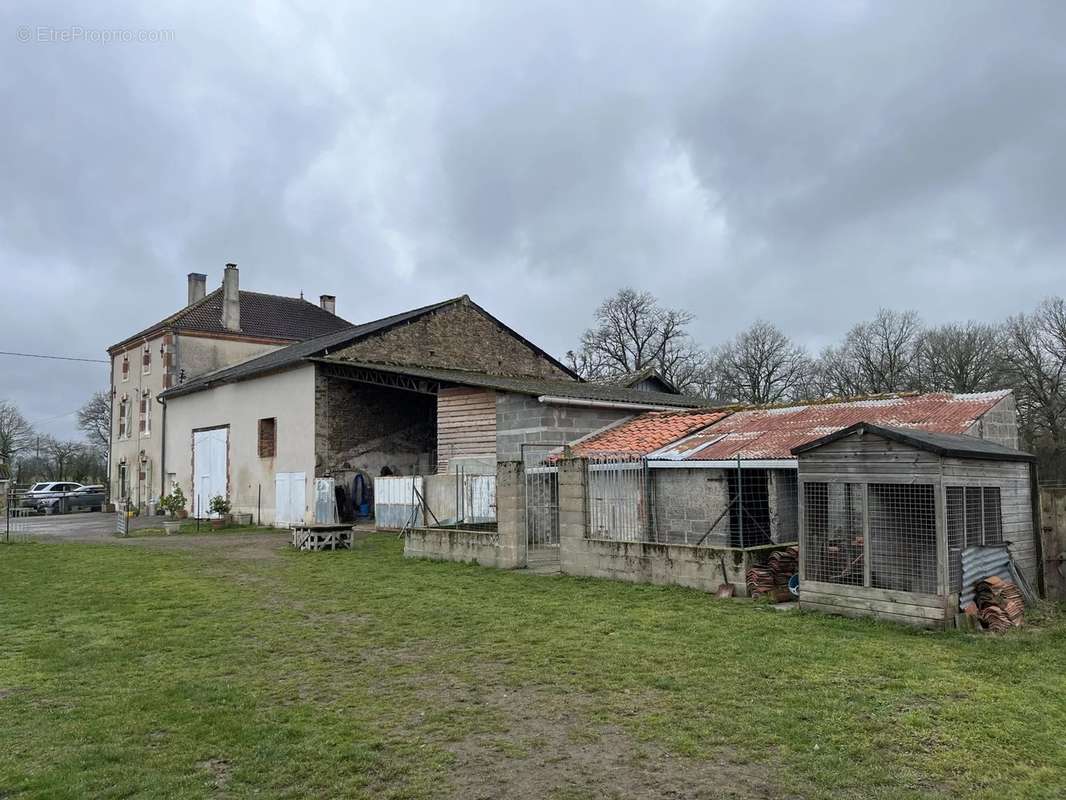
<point x="234" y="668"/>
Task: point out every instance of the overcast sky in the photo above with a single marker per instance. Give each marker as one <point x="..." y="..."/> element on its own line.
<point x="800" y="162"/>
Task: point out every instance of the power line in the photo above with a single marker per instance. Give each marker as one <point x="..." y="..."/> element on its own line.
<point x="54" y="358"/>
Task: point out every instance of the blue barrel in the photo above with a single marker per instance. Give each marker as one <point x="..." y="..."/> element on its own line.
<point x="794" y="585"/>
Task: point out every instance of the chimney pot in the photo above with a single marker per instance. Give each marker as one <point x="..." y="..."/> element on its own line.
<point x="197" y="286"/>
<point x="328" y="302"/>
<point x="231" y="299"/>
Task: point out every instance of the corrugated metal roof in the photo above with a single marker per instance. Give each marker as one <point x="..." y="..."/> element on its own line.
<point x="773" y="433"/>
<point x="647" y="432"/>
<point x="979" y="563"/>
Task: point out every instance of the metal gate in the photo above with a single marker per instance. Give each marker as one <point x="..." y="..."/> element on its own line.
<point x="542" y="503"/>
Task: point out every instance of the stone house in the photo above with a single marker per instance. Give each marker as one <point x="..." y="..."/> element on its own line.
<point x="439" y="388"/>
<point x="213" y="330"/>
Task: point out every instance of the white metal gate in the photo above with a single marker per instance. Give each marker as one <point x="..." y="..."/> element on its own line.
<point x="289" y="498"/>
<point x="209" y="462"/>
<point x="542" y="502"/>
<point x="398" y="501"/>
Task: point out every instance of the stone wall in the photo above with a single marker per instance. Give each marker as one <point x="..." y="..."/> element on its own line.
<point x="520" y="419"/>
<point x="458" y="336"/>
<point x="361" y="427"/>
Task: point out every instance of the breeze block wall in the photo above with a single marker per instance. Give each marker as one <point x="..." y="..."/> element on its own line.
<point x="502" y="548"/>
<point x="521" y="419"/>
<point x="703" y="568"/>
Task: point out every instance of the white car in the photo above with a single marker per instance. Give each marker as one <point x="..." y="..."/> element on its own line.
<point x="49" y="490"/>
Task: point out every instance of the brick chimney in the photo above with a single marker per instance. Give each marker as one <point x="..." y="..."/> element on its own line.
<point x="197" y="286"/>
<point x="231" y="300"/>
<point x="328" y="302"/>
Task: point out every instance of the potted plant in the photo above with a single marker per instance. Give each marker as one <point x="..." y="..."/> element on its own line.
<point x="219" y="505"/>
<point x="173" y="505"/>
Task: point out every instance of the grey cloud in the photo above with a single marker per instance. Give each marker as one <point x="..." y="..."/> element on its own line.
<point x="805" y="163"/>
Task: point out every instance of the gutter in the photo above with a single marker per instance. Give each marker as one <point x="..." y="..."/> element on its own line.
<point x="555" y="400"/>
<point x="732" y="463"/>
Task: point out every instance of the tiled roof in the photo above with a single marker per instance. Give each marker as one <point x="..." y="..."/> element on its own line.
<point x="772" y="433"/>
<point x="263" y="316"/>
<point x="648" y="432"/>
<point x="299" y="352"/>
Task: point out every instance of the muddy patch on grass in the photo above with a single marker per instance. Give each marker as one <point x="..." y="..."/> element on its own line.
<point x="218" y="769"/>
<point x="546" y="746"/>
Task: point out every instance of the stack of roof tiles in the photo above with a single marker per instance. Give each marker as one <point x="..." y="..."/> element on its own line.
<point x="771" y="579"/>
<point x="1000" y="606"/>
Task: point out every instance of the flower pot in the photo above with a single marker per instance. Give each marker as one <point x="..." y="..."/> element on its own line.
<point x="171" y="526"/>
<point x="218" y="522"/>
<point x="242" y="519"/>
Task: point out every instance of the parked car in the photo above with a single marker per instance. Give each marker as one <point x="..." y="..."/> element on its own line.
<point x="84" y="498"/>
<point x="40" y="492"/>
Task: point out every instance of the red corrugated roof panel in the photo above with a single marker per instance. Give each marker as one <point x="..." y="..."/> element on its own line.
<point x="772" y="433"/>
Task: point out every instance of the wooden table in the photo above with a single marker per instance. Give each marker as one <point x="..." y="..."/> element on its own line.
<point x="322" y="537"/>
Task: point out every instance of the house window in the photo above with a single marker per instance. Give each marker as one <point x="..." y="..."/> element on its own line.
<point x="123" y="482"/>
<point x="146" y="359"/>
<point x="146" y="413"/>
<point x="122" y="406"/>
<point x="268" y="429"/>
<point x="125" y="366"/>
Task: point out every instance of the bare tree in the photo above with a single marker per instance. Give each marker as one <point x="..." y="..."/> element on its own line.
<point x="632" y="332"/>
<point x="94" y="420"/>
<point x="1035" y="361"/>
<point x="961" y="358"/>
<point x="878" y="356"/>
<point x="61" y="455"/>
<point x="760" y="366"/>
<point x="16" y="433"/>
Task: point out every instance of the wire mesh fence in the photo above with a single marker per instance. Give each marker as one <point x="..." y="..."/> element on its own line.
<point x="834" y="550"/>
<point x="903" y="537"/>
<point x="742" y="508"/>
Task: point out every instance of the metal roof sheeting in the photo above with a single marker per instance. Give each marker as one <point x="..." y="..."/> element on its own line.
<point x="979" y="563"/>
<point x="773" y="433"/>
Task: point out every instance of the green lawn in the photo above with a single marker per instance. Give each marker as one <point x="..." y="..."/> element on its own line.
<point x="239" y="669"/>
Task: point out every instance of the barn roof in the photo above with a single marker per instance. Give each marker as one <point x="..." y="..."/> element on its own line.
<point x="772" y="433"/>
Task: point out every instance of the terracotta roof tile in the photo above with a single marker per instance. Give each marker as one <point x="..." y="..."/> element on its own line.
<point x="648" y="432"/>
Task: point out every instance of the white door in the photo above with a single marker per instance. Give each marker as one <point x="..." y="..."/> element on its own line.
<point x="209" y="459"/>
<point x="289" y="497"/>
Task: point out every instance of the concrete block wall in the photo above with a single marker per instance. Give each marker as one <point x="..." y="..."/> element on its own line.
<point x="1000" y="424"/>
<point x="502" y="548"/>
<point x="688" y="502"/>
<point x="521" y="419"/>
<point x="445" y="544"/>
<point x="703" y="568"/>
